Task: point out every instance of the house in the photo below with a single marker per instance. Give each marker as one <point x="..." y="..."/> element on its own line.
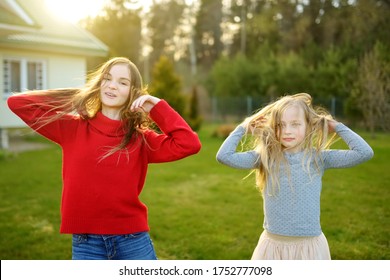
<point x="39" y="51"/>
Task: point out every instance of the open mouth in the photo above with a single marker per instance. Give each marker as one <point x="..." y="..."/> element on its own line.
<point x="109" y="94"/>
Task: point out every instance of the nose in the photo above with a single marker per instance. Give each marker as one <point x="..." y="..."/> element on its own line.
<point x="112" y="84"/>
<point x="287" y="129"/>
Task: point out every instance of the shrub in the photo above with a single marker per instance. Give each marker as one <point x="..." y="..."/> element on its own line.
<point x="223" y="131"/>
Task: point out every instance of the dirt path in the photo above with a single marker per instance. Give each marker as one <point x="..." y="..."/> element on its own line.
<point x="22" y="145"/>
<point x="18" y="143"/>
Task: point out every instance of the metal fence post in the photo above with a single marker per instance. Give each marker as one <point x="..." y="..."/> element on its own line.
<point x="249" y="105"/>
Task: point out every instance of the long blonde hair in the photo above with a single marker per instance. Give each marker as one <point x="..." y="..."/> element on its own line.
<point x="87" y="103"/>
<point x="265" y="126"/>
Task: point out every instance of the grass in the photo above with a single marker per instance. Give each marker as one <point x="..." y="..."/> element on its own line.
<point x="198" y="208"/>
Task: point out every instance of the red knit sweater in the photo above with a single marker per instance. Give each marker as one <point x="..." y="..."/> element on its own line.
<point x="102" y="196"/>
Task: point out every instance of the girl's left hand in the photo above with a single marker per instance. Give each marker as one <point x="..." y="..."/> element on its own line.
<point x="145" y="103"/>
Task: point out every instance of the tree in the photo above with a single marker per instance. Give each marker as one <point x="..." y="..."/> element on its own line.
<point x="119" y="28"/>
<point x="208" y="32"/>
<point x="194" y="118"/>
<point x="166" y="84"/>
<point x="334" y="74"/>
<point x="164" y="25"/>
<point x="236" y="76"/>
<point x="258" y="26"/>
<point x="372" y="90"/>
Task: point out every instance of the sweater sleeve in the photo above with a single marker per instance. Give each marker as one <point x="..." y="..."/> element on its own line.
<point x="227" y="152"/>
<point x="177" y="140"/>
<point x="359" y="150"/>
<point x="33" y="110"/>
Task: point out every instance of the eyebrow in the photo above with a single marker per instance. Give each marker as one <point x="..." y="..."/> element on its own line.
<point x="291" y="121"/>
<point x="121" y="78"/>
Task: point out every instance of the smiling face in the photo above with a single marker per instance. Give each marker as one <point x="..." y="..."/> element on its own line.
<point x="292" y="128"/>
<point x="115" y="89"/>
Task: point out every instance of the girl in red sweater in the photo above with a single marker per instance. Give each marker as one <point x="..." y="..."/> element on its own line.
<point x="103" y="130"/>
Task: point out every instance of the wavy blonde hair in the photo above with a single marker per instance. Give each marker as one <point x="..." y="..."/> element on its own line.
<point x="265" y="126"/>
<point x="87" y="103"/>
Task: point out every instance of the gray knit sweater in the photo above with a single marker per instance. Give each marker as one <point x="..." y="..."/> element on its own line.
<point x="295" y="209"/>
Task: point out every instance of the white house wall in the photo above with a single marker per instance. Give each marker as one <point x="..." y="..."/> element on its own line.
<point x="66" y="72"/>
<point x="61" y="71"/>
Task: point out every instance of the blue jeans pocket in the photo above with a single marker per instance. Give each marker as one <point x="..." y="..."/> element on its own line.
<point x="79" y="238"/>
<point x="135" y="246"/>
<point x="136" y="235"/>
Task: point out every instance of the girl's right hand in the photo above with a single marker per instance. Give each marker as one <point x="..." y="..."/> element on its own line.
<point x="332" y="125"/>
<point x="145" y="103"/>
<point x="251" y="124"/>
<point x="245" y="123"/>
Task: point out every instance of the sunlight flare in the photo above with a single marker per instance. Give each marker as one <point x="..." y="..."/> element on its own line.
<point x="74" y="10"/>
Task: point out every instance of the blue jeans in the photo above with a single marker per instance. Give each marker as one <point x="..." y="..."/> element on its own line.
<point x="137" y="246"/>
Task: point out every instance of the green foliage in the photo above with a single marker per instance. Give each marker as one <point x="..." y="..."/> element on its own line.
<point x="223" y="131"/>
<point x="292" y="74"/>
<point x="265" y="75"/>
<point x="166" y="14"/>
<point x="119" y="28"/>
<point x="207" y="31"/>
<point x="276" y="47"/>
<point x="235" y="77"/>
<point x="166" y="84"/>
<point x="4" y="155"/>
<point x="219" y="70"/>
<point x="334" y="74"/>
<point x="372" y="91"/>
<point x="312" y="47"/>
<point x="194" y="118"/>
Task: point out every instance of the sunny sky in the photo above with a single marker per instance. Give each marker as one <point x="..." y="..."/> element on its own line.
<point x="74" y="10"/>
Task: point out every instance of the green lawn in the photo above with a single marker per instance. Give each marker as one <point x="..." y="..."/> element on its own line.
<point x="198" y="208"/>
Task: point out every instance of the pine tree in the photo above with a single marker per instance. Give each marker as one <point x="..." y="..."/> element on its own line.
<point x="166" y="84"/>
<point x="194" y="119"/>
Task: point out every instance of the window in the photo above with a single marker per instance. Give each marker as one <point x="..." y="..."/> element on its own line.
<point x="22" y="74"/>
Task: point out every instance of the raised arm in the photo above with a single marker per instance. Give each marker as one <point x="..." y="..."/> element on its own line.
<point x="228" y="155"/>
<point x="177" y="141"/>
<point x="359" y="150"/>
<point x="35" y="110"/>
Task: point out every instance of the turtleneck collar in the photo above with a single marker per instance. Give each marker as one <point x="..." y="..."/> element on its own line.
<point x="107" y="126"/>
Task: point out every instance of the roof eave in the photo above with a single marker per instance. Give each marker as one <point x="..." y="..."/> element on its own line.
<point x="7" y="29"/>
<point x="56" y="49"/>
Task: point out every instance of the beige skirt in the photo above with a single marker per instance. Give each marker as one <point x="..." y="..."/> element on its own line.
<point x="279" y="247"/>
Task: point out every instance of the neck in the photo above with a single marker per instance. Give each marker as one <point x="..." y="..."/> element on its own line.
<point x="111" y="113"/>
<point x="294" y="150"/>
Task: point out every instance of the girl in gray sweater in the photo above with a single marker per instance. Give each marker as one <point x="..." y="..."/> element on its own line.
<point x="289" y="155"/>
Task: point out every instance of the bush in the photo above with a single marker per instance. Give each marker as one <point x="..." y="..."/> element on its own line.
<point x="223" y="131"/>
<point x="194" y="118"/>
<point x="4" y="155"/>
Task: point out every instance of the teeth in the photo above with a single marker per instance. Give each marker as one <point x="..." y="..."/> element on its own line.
<point x="110" y="94"/>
